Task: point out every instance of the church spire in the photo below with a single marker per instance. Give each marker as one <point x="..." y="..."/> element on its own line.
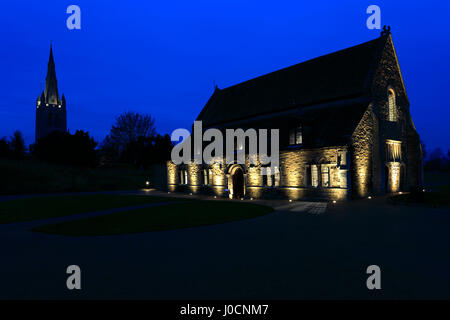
<point x="51" y="87"/>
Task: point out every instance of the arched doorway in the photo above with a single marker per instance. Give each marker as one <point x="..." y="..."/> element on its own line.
<point x="237" y="177"/>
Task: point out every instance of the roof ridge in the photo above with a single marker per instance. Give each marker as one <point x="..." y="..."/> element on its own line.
<point x="300" y="63"/>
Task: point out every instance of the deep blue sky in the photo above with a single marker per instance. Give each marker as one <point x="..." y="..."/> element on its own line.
<point x="163" y="57"/>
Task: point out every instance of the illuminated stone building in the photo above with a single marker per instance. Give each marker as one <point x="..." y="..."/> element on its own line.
<point x="345" y="130"/>
<point x="50" y="109"/>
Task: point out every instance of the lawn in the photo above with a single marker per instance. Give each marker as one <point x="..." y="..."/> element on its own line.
<point x="435" y="199"/>
<point x="33" y="176"/>
<point x="173" y="216"/>
<point x="437" y="192"/>
<point x="33" y="208"/>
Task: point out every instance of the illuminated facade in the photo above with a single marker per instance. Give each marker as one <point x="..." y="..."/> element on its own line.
<point x="51" y="112"/>
<point x="345" y="130"/>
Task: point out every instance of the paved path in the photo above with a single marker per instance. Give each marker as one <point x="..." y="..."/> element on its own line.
<point x="304" y="206"/>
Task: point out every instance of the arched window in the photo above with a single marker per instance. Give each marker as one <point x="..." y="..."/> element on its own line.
<point x="392" y="106"/>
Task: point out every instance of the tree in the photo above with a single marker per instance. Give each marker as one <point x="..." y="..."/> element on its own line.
<point x="62" y="147"/>
<point x="129" y="136"/>
<point x="17" y="145"/>
<point x="130" y="127"/>
<point x="4" y="147"/>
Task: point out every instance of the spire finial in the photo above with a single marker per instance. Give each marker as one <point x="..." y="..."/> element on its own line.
<point x="386" y="30"/>
<point x="51" y="87"/>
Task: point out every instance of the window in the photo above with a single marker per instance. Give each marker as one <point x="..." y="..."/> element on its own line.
<point x="314" y="176"/>
<point x="207" y="176"/>
<point x="295" y="136"/>
<point x="392" y="106"/>
<point x="210" y="176"/>
<point x="325" y="176"/>
<point x="393" y="150"/>
<point x="277" y="177"/>
<point x="264" y="180"/>
<point x="183" y="177"/>
<point x="271" y="178"/>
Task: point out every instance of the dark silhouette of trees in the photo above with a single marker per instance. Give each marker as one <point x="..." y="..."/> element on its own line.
<point x="128" y="128"/>
<point x="17" y="146"/>
<point x="438" y="161"/>
<point x="4" y="147"/>
<point x="133" y="139"/>
<point x="62" y="147"/>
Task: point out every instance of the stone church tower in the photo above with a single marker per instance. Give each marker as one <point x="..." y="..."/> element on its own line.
<point x="50" y="109"/>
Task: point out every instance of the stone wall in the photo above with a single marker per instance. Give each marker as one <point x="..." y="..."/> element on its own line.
<point x="362" y="144"/>
<point x="293" y="176"/>
<point x="388" y="75"/>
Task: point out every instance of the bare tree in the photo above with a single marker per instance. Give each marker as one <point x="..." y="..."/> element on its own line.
<point x="128" y="130"/>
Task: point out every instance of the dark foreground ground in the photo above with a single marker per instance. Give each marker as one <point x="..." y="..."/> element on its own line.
<point x="300" y="251"/>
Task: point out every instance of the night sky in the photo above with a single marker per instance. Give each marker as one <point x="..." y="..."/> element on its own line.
<point x="163" y="58"/>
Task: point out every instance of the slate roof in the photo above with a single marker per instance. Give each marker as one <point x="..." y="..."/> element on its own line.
<point x="339" y="75"/>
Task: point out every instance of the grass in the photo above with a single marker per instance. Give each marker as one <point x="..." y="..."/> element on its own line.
<point x="33" y="208"/>
<point x="173" y="216"/>
<point x="33" y="176"/>
<point x="437" y="192"/>
<point x="432" y="199"/>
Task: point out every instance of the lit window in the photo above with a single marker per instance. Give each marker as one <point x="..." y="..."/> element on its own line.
<point x="393" y="150"/>
<point x="210" y="174"/>
<point x="183" y="177"/>
<point x="392" y="106"/>
<point x="207" y="176"/>
<point x="295" y="136"/>
<point x="314" y="176"/>
<point x="325" y="176"/>
<point x="277" y="177"/>
<point x="269" y="177"/>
